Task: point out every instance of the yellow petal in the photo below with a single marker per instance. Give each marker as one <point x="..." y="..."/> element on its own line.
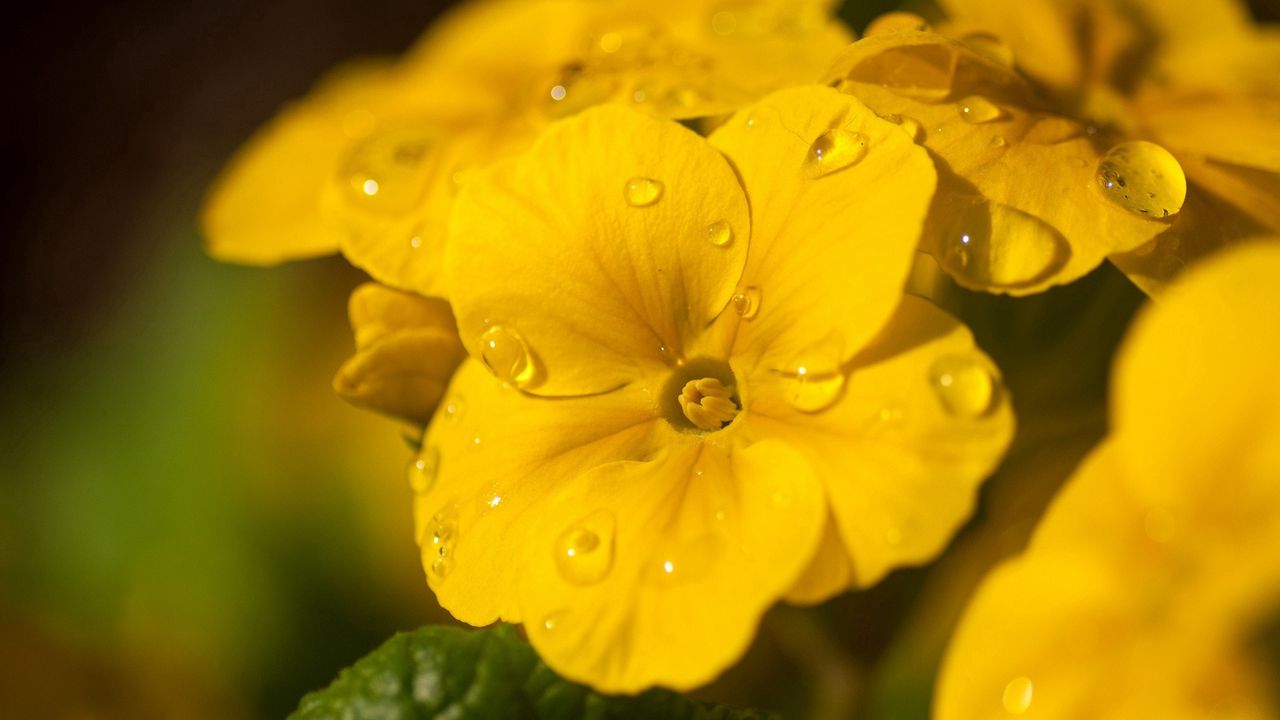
<point x="702" y="541"/>
<point x="829" y="571"/>
<point x="1040" y="32"/>
<point x="605" y="269"/>
<point x="491" y="460"/>
<point x="922" y="421"/>
<point x="264" y="208"/>
<point x="838" y="197"/>
<point x="1236" y="129"/>
<point x="1019" y="207"/>
<point x="407" y="349"/>
<point x="1195" y="391"/>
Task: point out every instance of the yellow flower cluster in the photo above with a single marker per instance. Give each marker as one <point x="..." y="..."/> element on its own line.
<point x="641" y="273"/>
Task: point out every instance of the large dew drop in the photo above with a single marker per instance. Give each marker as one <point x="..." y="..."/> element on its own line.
<point x="964" y="385"/>
<point x="834" y="150"/>
<point x="994" y="246"/>
<point x="642" y="191"/>
<point x="1143" y="178"/>
<point x="720" y="233"/>
<point x="390" y="171"/>
<point x="977" y="110"/>
<point x="1017" y="695"/>
<point x="746" y="302"/>
<point x="814" y="379"/>
<point x="507" y="356"/>
<point x="584" y="551"/>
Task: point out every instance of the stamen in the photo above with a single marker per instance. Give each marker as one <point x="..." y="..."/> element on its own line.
<point x="707" y="403"/>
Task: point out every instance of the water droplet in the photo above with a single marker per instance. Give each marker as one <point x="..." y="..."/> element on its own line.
<point x="584" y="551"/>
<point x="897" y="22"/>
<point x="1017" y="695"/>
<point x="998" y="141"/>
<point x="424" y="469"/>
<point x="493" y="501"/>
<point x="964" y="385"/>
<point x="680" y="562"/>
<point x="390" y="171"/>
<point x="814" y="379"/>
<point x="442" y="535"/>
<point x="746" y="302"/>
<point x="642" y="191"/>
<point x="834" y="150"/>
<point x="977" y="110"/>
<point x="453" y="408"/>
<point x="415" y="242"/>
<point x="554" y="620"/>
<point x="611" y="42"/>
<point x="1143" y="178"/>
<point x="720" y="233"/>
<point x="994" y="246"/>
<point x="724" y="23"/>
<point x="507" y="356"/>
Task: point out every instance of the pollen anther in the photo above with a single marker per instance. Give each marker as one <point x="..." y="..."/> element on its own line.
<point x="707" y="403"/>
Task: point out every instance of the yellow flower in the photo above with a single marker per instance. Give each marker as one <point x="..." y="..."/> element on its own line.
<point x="370" y="162"/>
<point x="1146" y="581"/>
<point x="407" y="348"/>
<point x="1149" y="137"/>
<point x="710" y="391"/>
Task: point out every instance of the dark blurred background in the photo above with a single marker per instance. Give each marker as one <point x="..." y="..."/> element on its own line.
<point x="191" y="524"/>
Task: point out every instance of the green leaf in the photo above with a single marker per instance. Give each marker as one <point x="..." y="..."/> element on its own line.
<point x="444" y="672"/>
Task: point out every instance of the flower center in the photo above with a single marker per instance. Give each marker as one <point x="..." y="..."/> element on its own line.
<point x="707" y="403"/>
<point x="701" y="396"/>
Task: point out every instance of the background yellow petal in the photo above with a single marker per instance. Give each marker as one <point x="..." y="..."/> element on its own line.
<point x="837" y="198"/>
<point x="1040" y="32"/>
<point x="264" y="208"/>
<point x="922" y="421"/>
<point x="605" y="250"/>
<point x="1195" y="386"/>
<point x="1018" y="207"/>
<point x="490" y="463"/>
<point x="702" y="541"/>
<point x="407" y="348"/>
<point x="1230" y="128"/>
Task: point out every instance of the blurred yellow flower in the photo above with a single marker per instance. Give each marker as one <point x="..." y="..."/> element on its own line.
<point x="710" y="391"/>
<point x="1147" y="583"/>
<point x="407" y="348"/>
<point x="1073" y="131"/>
<point x="370" y="162"/>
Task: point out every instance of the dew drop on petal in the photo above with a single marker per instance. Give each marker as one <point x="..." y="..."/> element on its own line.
<point x="507" y="356"/>
<point x="553" y="621"/>
<point x="681" y="562"/>
<point x="964" y="385"/>
<point x="642" y="191"/>
<point x="584" y="551"/>
<point x="424" y="469"/>
<point x="897" y="22"/>
<point x="994" y="246"/>
<point x="814" y="379"/>
<point x="453" y="408"/>
<point x="977" y="110"/>
<point x="1017" y="695"/>
<point x="442" y="536"/>
<point x="389" y="171"/>
<point x="746" y="302"/>
<point x="1143" y="178"/>
<point x="998" y="141"/>
<point x="834" y="150"/>
<point x="720" y="233"/>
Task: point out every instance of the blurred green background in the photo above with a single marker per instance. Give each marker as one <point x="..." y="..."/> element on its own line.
<point x="192" y="525"/>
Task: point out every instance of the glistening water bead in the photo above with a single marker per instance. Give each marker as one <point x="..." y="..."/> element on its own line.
<point x="1017" y="695"/>
<point x="977" y="110"/>
<point x="507" y="356"/>
<point x="720" y="233"/>
<point x="834" y="150"/>
<point x="424" y="469"/>
<point x="964" y="385"/>
<point x="642" y="191"/>
<point x="584" y="551"/>
<point x="1143" y="178"/>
